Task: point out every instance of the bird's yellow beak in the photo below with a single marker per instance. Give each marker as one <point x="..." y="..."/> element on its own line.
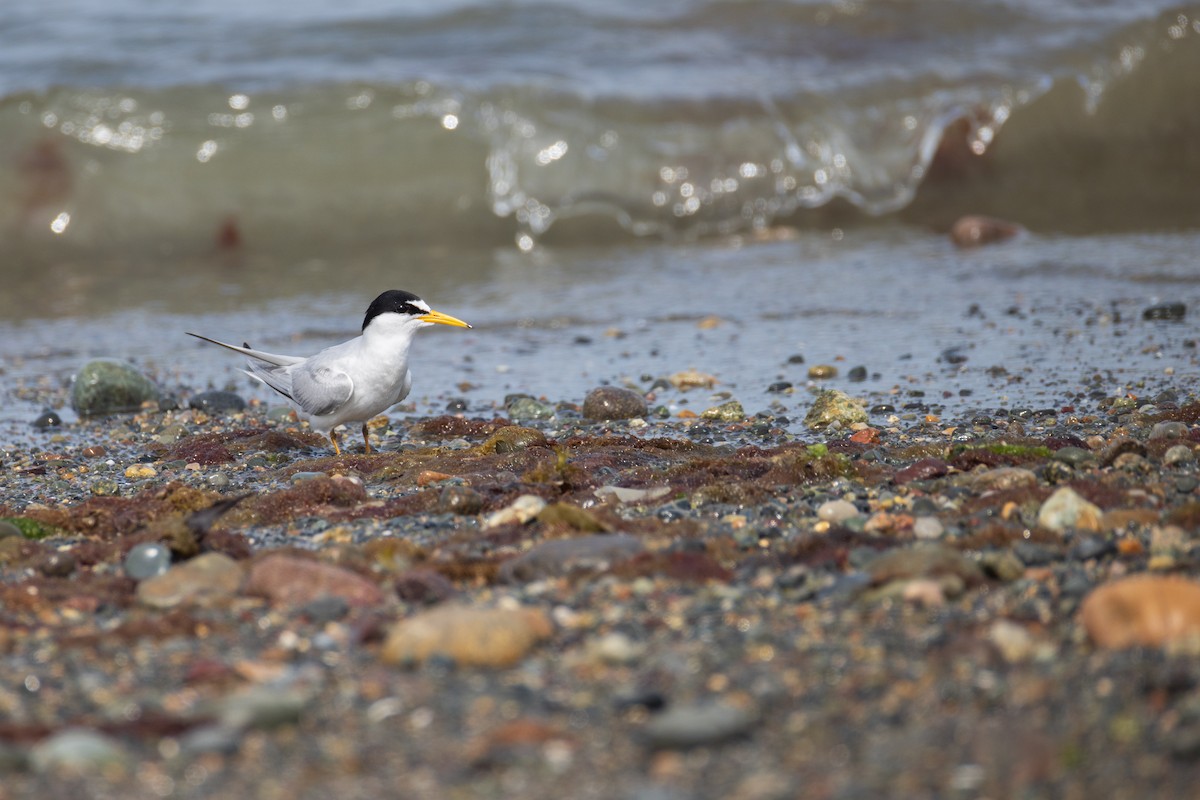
<point x="439" y="318"/>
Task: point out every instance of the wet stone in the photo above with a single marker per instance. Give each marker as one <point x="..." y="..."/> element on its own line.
<point x="1165" y="311"/>
<point x="46" y="420"/>
<point x="1178" y="455"/>
<point x="730" y="411"/>
<point x="975" y="230"/>
<point x="698" y="725"/>
<point x="7" y="529"/>
<point x="523" y="408"/>
<point x="834" y="408"/>
<point x="326" y="608"/>
<point x="612" y="402"/>
<point x="77" y="750"/>
<point x="292" y="581"/>
<point x="1033" y="554"/>
<point x="820" y="372"/>
<point x="107" y="386"/>
<point x="460" y="500"/>
<point x="1092" y="547"/>
<point x="467" y="636"/>
<point x="580" y="555"/>
<point x="779" y="387"/>
<point x="205" y="577"/>
<point x="217" y="402"/>
<point x="1146" y="610"/>
<point x="1170" y="429"/>
<point x="837" y="511"/>
<point x="456" y="405"/>
<point x="1073" y="456"/>
<point x="1065" y="509"/>
<point x="857" y="374"/>
<point x="923" y="470"/>
<point x="57" y="565"/>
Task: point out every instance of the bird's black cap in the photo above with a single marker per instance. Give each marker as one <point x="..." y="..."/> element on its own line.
<point x="395" y="301"/>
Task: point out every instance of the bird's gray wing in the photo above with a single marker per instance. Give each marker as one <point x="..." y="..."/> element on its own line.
<point x="278" y="378"/>
<point x="320" y="389"/>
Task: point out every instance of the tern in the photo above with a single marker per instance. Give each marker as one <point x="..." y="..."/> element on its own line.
<point x="355" y="380"/>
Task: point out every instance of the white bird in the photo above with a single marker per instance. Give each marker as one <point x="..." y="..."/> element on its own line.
<point x="355" y="380"/>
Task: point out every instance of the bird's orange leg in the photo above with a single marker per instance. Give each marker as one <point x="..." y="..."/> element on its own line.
<point x="337" y="450"/>
<point x="366" y="440"/>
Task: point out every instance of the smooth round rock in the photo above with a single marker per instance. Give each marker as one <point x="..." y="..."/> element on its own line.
<point x="7" y="529"/>
<point x="698" y="725"/>
<point x="46" y="420"/>
<point x="76" y="750"/>
<point x="613" y="402"/>
<point x="1171" y="429"/>
<point x="108" y="386"/>
<point x="1178" y="454"/>
<point x="460" y="500"/>
<point x="217" y="402"/>
<point x="837" y="511"/>
<point x="147" y="560"/>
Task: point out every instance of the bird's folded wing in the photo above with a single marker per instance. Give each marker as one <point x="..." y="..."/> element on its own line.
<point x="320" y="390"/>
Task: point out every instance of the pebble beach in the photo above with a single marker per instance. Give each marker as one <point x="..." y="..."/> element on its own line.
<point x="603" y="596"/>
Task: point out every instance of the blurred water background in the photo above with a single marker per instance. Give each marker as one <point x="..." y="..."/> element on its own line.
<point x="588" y="181"/>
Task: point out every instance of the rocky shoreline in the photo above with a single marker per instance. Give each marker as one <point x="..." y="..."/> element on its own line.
<point x="591" y="600"/>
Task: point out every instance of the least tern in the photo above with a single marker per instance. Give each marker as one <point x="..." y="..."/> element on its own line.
<point x="355" y="380"/>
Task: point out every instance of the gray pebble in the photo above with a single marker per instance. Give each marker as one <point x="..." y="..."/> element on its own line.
<point x="1073" y="456"/>
<point x="77" y="750"/>
<point x="698" y="725"/>
<point x="1035" y="555"/>
<point x="581" y="554"/>
<point x="217" y="402"/>
<point x="1178" y="454"/>
<point x="1171" y="429"/>
<point x="7" y="529"/>
<point x="147" y="560"/>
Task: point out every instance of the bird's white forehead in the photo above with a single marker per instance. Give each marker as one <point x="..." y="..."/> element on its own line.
<point x="421" y="304"/>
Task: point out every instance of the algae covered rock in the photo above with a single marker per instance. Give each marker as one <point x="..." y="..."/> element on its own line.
<point x="108" y="386"/>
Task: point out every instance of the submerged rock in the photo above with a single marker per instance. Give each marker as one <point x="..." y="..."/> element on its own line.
<point x="108" y="386"/>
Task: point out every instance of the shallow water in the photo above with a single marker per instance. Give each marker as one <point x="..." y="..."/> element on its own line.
<point x="1052" y="311"/>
